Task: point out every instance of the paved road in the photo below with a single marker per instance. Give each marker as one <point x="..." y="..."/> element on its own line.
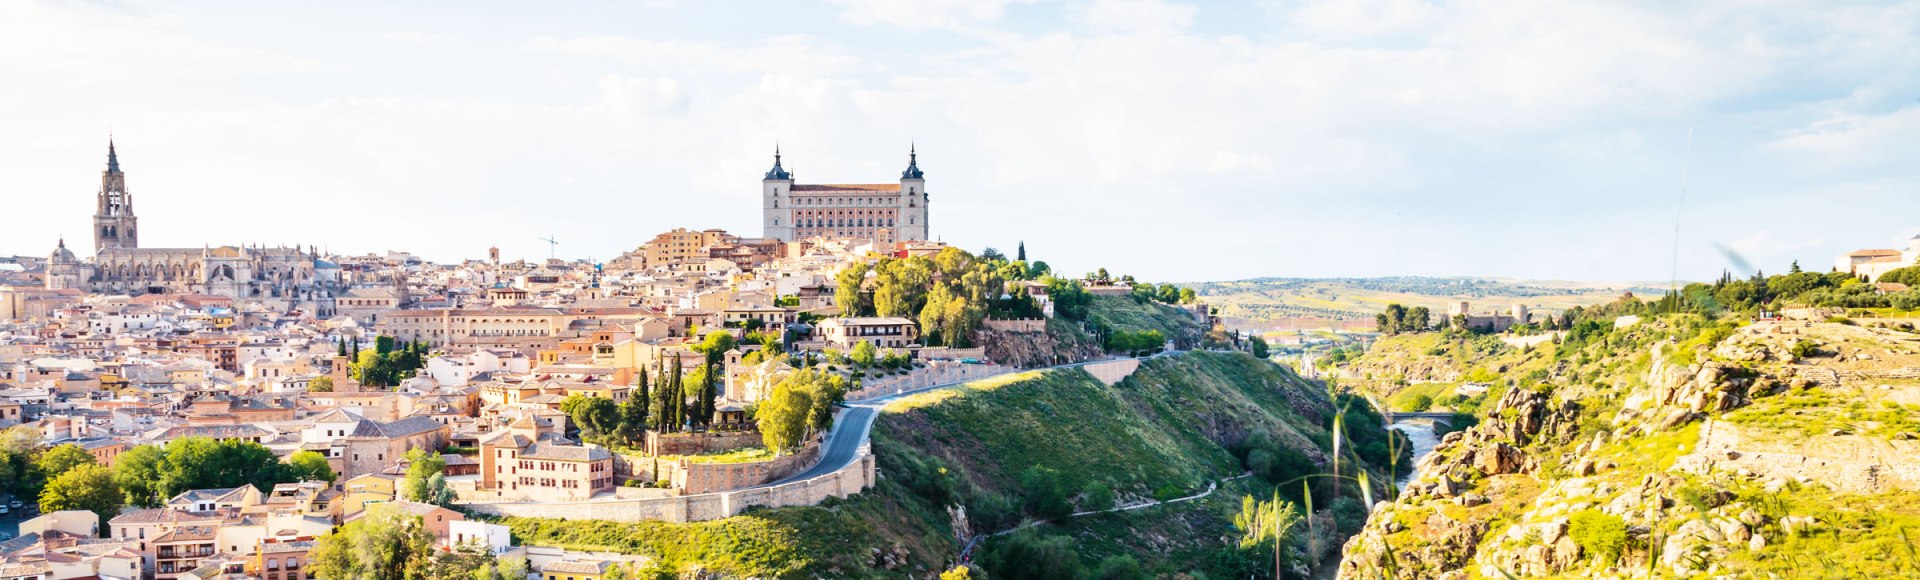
<point x="852" y="428"/>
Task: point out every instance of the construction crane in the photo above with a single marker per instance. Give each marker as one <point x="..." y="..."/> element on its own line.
<point x="551" y="244"/>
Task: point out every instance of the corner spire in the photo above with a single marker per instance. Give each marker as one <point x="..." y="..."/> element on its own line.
<point x="113" y="158"/>
<point x="913" y="163"/>
<point x="777" y="172"/>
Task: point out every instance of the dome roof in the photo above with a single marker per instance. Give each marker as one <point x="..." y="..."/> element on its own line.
<point x="62" y="255"/>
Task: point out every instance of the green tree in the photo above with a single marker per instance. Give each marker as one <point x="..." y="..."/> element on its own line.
<point x="661" y="418"/>
<point x="1029" y="554"/>
<point x="1120" y="567"/>
<point x="715" y="346"/>
<point x="310" y="466"/>
<point x="425" y="481"/>
<point x="84" y="487"/>
<point x="1266" y="525"/>
<point x="320" y="384"/>
<point x="1045" y="492"/>
<point x="633" y="413"/>
<point x="1419" y="318"/>
<point x="782" y="417"/>
<point x="1259" y="347"/>
<point x="595" y="415"/>
<point x="709" y="396"/>
<point x="848" y="292"/>
<point x="863" y="354"/>
<point x="59" y="459"/>
<point x="373" y="369"/>
<point x="202" y="463"/>
<point x="1070" y="298"/>
<point x="1096" y="497"/>
<point x="137" y="472"/>
<point x="385" y="544"/>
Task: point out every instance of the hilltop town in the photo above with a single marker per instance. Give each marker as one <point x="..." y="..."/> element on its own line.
<point x="219" y="412"/>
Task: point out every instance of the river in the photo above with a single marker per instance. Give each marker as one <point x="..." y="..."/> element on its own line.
<point x="1420" y="434"/>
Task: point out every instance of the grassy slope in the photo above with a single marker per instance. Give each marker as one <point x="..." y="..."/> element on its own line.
<point x="1158" y="428"/>
<point x="1123" y="313"/>
<point x="1155" y="432"/>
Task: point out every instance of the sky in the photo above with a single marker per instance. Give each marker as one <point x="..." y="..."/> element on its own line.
<point x="1174" y="141"/>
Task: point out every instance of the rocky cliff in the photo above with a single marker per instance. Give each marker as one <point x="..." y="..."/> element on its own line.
<point x="1675" y="449"/>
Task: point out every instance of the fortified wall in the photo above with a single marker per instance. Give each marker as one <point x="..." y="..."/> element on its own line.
<point x="854" y="478"/>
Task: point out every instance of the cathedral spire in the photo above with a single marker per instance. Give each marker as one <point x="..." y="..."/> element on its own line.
<point x="113" y="158"/>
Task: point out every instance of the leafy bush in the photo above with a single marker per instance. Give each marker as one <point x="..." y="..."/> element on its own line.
<point x="1120" y="567"/>
<point x="1599" y="534"/>
<point x="1096" y="497"/>
<point x="1804" y="348"/>
<point x="1417" y="403"/>
<point x="1046" y="495"/>
<point x="1031" y="555"/>
<point x="1348" y="515"/>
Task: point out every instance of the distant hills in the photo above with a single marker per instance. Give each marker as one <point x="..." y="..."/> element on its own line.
<point x="1276" y="303"/>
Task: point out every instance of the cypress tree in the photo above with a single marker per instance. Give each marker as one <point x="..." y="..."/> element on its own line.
<point x="677" y="404"/>
<point x="660" y="419"/>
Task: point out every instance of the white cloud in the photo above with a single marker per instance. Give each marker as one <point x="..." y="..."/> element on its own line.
<point x="923" y="14"/>
<point x="630" y="98"/>
<point x="1856" y="140"/>
<point x="1136" y="16"/>
<point x="796" y="54"/>
<point x="93" y="43"/>
<point x="417" y="38"/>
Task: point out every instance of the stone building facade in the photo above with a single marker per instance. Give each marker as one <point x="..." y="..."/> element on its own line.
<point x="121" y="266"/>
<point x="881" y="212"/>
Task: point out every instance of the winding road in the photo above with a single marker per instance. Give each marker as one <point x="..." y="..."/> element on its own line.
<point x="854" y="425"/>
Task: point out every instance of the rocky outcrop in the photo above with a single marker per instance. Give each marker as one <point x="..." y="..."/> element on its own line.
<point x="1768" y="423"/>
<point x="1445" y="548"/>
<point x="1677" y="393"/>
<point x="1035" y="349"/>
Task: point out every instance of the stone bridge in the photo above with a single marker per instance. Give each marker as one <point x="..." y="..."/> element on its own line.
<point x="1437" y="417"/>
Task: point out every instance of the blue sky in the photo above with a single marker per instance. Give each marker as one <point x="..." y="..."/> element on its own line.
<point x="1175" y="141"/>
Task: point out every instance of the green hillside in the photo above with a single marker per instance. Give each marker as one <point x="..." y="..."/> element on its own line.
<point x="1167" y="431"/>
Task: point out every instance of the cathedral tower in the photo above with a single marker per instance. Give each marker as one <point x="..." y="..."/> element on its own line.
<point x="114" y="225"/>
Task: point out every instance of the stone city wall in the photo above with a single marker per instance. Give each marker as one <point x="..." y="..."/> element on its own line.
<point x="936" y="373"/>
<point x="1028" y="325"/>
<point x="695" y="478"/>
<point x="697" y="443"/>
<point x="854" y="478"/>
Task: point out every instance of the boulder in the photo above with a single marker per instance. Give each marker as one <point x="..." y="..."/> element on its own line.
<point x="1583" y="468"/>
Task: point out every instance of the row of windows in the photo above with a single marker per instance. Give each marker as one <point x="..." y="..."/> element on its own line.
<point x="843" y="223"/>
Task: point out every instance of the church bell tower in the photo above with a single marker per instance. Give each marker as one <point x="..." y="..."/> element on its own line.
<point x="114" y="225"/>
